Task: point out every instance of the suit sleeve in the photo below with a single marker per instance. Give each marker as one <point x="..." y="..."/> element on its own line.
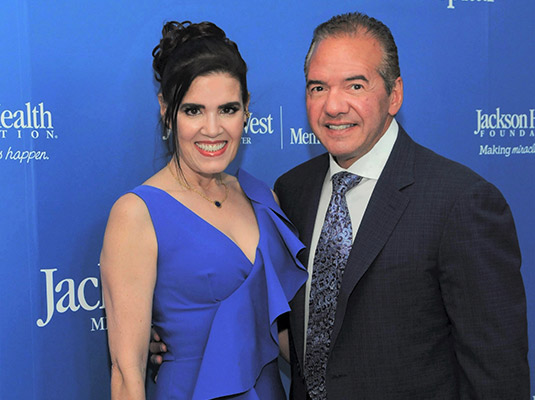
<point x="483" y="292"/>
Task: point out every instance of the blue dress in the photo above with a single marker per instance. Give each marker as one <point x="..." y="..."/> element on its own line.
<point x="214" y="309"/>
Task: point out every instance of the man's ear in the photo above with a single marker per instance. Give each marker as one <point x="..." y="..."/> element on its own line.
<point x="396" y="97"/>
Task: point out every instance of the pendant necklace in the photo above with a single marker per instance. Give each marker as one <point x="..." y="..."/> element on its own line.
<point x="186" y="186"/>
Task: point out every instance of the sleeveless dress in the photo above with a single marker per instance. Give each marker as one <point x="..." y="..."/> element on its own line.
<point x="215" y="310"/>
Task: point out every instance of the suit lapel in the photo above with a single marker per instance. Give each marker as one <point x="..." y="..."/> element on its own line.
<point x="306" y="217"/>
<point x="385" y="208"/>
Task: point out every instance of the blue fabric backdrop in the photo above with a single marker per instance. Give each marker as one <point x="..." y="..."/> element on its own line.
<point x="79" y="127"/>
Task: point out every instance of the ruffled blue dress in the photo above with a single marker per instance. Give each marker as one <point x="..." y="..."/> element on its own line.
<point x="216" y="311"/>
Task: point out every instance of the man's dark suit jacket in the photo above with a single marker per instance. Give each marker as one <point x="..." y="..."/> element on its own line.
<point x="432" y="303"/>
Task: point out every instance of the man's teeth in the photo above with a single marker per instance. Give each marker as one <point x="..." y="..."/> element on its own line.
<point x="211" y="146"/>
<point x="340" y="127"/>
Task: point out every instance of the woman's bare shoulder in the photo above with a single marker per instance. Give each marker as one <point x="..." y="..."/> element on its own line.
<point x="129" y="208"/>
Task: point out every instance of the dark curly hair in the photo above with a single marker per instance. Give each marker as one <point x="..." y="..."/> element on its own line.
<point x="186" y="51"/>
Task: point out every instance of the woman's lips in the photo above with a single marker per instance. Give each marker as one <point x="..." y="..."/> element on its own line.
<point x="212" y="149"/>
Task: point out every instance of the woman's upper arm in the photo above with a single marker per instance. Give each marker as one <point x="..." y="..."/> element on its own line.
<point x="275" y="197"/>
<point x="128" y="270"/>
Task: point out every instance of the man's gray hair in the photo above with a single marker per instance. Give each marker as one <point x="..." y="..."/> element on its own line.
<point x="354" y="24"/>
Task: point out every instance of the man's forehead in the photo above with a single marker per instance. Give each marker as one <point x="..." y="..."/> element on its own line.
<point x="346" y="57"/>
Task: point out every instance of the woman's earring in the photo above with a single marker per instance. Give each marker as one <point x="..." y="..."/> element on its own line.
<point x="168" y="132"/>
<point x="247" y="116"/>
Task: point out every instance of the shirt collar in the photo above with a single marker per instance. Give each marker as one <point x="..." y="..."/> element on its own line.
<point x="371" y="164"/>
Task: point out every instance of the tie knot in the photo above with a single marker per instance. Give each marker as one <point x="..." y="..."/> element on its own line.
<point x="343" y="181"/>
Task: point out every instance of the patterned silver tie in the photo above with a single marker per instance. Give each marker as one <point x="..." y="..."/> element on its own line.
<point x="330" y="260"/>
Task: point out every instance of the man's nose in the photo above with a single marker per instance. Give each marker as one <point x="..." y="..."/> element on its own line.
<point x="335" y="103"/>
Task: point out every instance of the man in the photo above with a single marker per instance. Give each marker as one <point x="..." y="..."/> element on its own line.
<point x="429" y="302"/>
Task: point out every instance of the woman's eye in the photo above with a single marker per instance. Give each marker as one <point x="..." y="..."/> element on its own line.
<point x="229" y="110"/>
<point x="192" y="111"/>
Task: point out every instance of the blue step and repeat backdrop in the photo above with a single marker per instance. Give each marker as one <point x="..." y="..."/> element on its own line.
<point x="79" y="127"/>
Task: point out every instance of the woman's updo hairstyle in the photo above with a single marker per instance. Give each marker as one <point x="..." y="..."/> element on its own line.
<point x="185" y="52"/>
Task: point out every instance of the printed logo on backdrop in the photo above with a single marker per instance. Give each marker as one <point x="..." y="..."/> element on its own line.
<point x="497" y="129"/>
<point x="453" y="3"/>
<point x="64" y="296"/>
<point x="30" y="121"/>
<point x="300" y="136"/>
<point x="258" y="124"/>
<point x="262" y="124"/>
<point x="295" y="135"/>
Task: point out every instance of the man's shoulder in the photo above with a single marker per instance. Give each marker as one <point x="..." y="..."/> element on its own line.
<point x="302" y="180"/>
<point x="432" y="172"/>
<point x="308" y="168"/>
<point x="432" y="164"/>
<point x="448" y="178"/>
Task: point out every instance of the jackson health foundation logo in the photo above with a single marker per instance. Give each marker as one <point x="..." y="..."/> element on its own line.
<point x="69" y="296"/>
<point x="17" y="126"/>
<point x="499" y="129"/>
<point x="452" y="3"/>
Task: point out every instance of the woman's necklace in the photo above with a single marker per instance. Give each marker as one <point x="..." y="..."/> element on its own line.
<point x="186" y="186"/>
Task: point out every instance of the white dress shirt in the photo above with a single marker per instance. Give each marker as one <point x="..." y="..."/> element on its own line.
<point x="369" y="167"/>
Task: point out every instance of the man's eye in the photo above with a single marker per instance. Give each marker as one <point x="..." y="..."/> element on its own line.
<point x="316" y="89"/>
<point x="356" y="86"/>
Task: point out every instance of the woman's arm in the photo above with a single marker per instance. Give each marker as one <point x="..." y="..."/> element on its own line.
<point x="284" y="344"/>
<point x="128" y="270"/>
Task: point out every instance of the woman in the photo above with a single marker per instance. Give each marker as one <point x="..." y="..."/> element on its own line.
<point x="207" y="258"/>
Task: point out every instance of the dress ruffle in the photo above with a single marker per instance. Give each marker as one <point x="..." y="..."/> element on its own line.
<point x="239" y="345"/>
